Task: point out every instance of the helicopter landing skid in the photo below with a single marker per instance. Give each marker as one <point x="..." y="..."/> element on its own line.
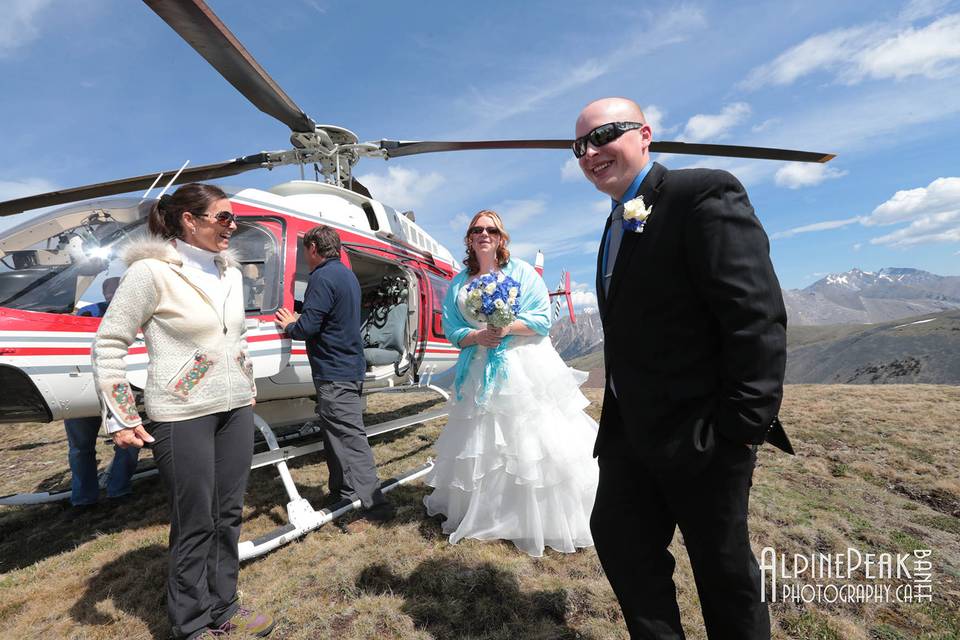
<point x="302" y="517"/>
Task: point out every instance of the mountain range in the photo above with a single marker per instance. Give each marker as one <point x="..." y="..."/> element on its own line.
<point x="862" y="297"/>
<point x="893" y="325"/>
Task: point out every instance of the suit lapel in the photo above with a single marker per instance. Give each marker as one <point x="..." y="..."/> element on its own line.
<point x="650" y="191"/>
<point x="601" y="298"/>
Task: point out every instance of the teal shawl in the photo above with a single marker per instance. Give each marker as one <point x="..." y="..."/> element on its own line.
<point x="534" y="312"/>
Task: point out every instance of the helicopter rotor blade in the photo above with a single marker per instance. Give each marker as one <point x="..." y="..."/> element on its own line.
<point x="200" y="27"/>
<point x="397" y="148"/>
<point x="126" y="185"/>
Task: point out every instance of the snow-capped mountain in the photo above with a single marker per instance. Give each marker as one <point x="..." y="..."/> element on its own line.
<point x="860" y="297"/>
<point x="575" y="340"/>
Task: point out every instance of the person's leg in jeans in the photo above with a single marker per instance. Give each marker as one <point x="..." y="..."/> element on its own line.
<point x="82" y="454"/>
<point x="121" y="470"/>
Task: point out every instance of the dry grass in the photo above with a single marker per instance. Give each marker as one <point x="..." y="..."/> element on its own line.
<point x="877" y="470"/>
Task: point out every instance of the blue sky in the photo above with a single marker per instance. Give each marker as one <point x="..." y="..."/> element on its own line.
<point x="100" y="89"/>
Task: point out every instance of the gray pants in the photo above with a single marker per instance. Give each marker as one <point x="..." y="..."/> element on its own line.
<point x="204" y="463"/>
<point x="353" y="473"/>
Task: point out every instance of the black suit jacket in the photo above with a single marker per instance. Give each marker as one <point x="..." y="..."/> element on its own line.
<point x="694" y="323"/>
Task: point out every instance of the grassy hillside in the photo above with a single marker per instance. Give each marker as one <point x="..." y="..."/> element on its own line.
<point x="925" y="349"/>
<point x="878" y="469"/>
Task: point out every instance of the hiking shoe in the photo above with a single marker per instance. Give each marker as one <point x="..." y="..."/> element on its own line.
<point x="250" y="623"/>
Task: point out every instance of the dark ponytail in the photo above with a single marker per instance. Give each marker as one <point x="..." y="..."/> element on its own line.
<point x="166" y="216"/>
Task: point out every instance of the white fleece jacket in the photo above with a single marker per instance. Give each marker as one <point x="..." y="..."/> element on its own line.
<point x="199" y="362"/>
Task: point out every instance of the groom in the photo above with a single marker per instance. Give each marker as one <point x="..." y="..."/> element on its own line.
<point x="695" y="348"/>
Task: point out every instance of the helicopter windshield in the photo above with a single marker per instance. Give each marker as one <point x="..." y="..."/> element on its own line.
<point x="55" y="274"/>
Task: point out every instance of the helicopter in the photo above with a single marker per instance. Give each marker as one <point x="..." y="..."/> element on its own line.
<point x="60" y="263"/>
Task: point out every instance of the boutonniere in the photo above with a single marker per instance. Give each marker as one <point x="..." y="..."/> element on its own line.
<point x="635" y="214"/>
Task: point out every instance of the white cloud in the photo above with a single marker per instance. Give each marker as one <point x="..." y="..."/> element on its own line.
<point x="582" y="296"/>
<point x="932" y="52"/>
<point x="825" y="50"/>
<point x="715" y="126"/>
<point x="870" y="51"/>
<point x="571" y="171"/>
<point x="459" y="222"/>
<point x="402" y="188"/>
<point x="919" y="9"/>
<point x="940" y="196"/>
<point x="817" y="226"/>
<point x="933" y="214"/>
<point x="857" y="246"/>
<point x="515" y="212"/>
<point x="932" y="211"/>
<point x="655" y="118"/>
<point x="601" y="206"/>
<point x="556" y="76"/>
<point x="583" y="299"/>
<point x="805" y="174"/>
<point x="18" y="26"/>
<point x="13" y="189"/>
<point x="940" y="227"/>
<point x="765" y="125"/>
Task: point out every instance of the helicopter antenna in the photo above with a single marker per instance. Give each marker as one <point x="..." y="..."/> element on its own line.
<point x="174" y="178"/>
<point x="147" y="192"/>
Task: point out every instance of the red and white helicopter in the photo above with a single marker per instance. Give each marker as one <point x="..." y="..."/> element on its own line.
<point x="59" y="263"/>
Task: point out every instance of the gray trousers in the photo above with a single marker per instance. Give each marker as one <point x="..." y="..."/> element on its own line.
<point x="353" y="472"/>
<point x="204" y="463"/>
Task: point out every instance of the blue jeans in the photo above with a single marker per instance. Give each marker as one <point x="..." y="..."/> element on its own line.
<point x="82" y="442"/>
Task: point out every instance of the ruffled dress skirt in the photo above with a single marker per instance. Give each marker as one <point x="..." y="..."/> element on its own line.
<point x="519" y="467"/>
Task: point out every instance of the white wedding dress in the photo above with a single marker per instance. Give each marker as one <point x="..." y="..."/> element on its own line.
<point x="520" y="467"/>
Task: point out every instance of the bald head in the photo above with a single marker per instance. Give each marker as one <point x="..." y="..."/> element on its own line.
<point x="613" y="109"/>
<point x="611" y="167"/>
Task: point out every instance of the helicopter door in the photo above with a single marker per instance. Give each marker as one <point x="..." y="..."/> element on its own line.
<point x="256" y="244"/>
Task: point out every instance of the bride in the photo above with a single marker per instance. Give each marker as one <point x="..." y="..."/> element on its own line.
<point x="514" y="461"/>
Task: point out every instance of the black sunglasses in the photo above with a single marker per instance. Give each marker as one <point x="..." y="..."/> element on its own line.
<point x="493" y="231"/>
<point x="604" y="134"/>
<point x="223" y="218"/>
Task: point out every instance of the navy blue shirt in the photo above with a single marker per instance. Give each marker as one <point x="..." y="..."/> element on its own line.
<point x="330" y="324"/>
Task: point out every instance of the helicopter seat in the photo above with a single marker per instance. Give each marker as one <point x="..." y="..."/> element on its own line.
<point x="383" y="338"/>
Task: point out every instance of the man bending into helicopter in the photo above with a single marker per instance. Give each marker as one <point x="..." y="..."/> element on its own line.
<point x="330" y="325"/>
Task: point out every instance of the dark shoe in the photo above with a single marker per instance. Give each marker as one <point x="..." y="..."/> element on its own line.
<point x="253" y="624"/>
<point x="380" y="512"/>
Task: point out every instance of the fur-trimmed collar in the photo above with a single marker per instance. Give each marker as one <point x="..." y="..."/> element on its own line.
<point x="159" y="249"/>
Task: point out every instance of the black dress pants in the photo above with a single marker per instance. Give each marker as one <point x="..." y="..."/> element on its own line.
<point x="639" y="507"/>
<point x="204" y="463"/>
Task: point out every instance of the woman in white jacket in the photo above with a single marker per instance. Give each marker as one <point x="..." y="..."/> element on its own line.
<point x="184" y="290"/>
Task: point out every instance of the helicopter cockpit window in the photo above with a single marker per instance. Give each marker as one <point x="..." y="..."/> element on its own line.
<point x="259" y="258"/>
<point x="74" y="270"/>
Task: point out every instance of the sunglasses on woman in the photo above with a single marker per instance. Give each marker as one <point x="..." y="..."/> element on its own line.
<point x="604" y="134"/>
<point x="223" y="218"/>
<point x="493" y="231"/>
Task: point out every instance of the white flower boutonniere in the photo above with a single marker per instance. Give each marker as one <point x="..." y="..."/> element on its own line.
<point x="635" y="214"/>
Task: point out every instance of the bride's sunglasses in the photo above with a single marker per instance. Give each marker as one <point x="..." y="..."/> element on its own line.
<point x="493" y="231"/>
<point x="604" y="134"/>
<point x="223" y="218"/>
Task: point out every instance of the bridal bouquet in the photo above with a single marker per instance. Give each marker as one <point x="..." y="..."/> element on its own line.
<point x="494" y="299"/>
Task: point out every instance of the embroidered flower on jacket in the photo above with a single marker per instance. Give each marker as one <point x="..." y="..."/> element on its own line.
<point x="123" y="396"/>
<point x="635" y="214"/>
<point x="186" y="382"/>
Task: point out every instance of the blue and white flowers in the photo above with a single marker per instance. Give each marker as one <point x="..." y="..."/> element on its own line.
<point x="635" y="214"/>
<point x="493" y="298"/>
